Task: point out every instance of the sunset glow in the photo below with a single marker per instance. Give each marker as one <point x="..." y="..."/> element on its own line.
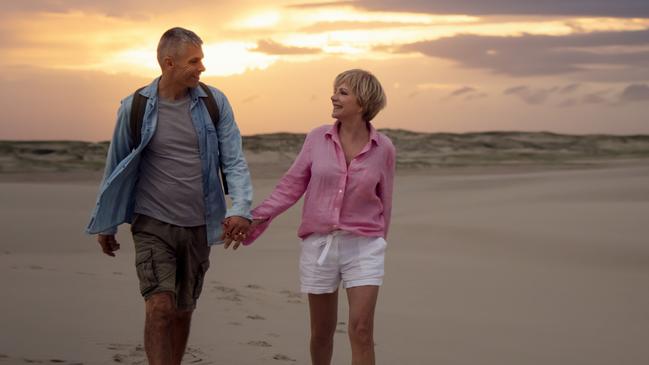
<point x="551" y="61"/>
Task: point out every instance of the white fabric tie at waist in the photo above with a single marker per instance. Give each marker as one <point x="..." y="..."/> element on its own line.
<point x="327" y="241"/>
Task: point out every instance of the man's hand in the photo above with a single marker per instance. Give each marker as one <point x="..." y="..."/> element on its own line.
<point x="235" y="229"/>
<point x="108" y="244"/>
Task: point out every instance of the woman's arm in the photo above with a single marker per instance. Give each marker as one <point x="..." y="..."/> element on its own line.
<point x="288" y="191"/>
<point x="386" y="186"/>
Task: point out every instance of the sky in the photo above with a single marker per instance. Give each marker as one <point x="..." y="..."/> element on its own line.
<point x="564" y="66"/>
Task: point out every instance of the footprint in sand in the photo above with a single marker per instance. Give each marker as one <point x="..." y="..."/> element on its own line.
<point x="36" y="267"/>
<point x="225" y="293"/>
<point x="195" y="356"/>
<point x="259" y="344"/>
<point x="234" y="323"/>
<point x="85" y="273"/>
<point x="4" y="357"/>
<point x="118" y="273"/>
<point x="128" y="354"/>
<point x="254" y="286"/>
<point x="283" y="357"/>
<point x="292" y="297"/>
<point x="256" y="317"/>
<point x="135" y="355"/>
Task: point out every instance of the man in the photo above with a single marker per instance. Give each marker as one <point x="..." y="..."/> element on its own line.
<point x="168" y="188"/>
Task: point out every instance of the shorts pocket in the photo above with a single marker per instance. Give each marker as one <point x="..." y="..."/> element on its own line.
<point x="200" y="278"/>
<point x="135" y="223"/>
<point x="145" y="269"/>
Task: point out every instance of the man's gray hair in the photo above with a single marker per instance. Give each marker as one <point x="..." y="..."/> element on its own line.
<point x="173" y="40"/>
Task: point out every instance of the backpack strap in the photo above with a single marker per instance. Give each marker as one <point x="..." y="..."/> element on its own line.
<point x="138" y="107"/>
<point x="213" y="110"/>
<point x="137" y="115"/>
<point x="210" y="104"/>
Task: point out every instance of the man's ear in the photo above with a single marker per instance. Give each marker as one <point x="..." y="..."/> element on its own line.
<point x="167" y="62"/>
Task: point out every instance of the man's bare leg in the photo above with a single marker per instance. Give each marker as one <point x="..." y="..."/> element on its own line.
<point x="180" y="334"/>
<point x="323" y="309"/>
<point x="362" y="302"/>
<point x="160" y="312"/>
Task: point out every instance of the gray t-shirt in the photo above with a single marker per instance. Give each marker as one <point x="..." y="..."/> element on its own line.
<point x="170" y="184"/>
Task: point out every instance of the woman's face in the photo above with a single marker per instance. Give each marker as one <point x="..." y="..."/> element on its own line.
<point x="345" y="103"/>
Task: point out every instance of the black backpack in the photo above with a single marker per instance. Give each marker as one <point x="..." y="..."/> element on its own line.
<point x="137" y="116"/>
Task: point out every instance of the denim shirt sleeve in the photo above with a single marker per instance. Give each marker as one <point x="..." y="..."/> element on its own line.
<point x="233" y="161"/>
<point x="120" y="146"/>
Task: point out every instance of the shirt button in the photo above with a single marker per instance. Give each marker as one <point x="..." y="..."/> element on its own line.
<point x="340" y="191"/>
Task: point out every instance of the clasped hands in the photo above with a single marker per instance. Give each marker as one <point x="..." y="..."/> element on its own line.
<point x="235" y="230"/>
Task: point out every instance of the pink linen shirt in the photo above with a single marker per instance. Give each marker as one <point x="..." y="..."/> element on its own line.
<point x="355" y="198"/>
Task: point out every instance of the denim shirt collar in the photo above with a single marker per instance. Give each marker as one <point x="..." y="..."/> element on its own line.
<point x="151" y="91"/>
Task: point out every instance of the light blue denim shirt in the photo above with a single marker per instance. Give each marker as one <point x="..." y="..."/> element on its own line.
<point x="116" y="198"/>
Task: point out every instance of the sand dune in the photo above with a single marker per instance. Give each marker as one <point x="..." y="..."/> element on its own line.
<point x="270" y="153"/>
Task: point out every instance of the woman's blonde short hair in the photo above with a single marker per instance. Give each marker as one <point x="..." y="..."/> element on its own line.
<point x="368" y="91"/>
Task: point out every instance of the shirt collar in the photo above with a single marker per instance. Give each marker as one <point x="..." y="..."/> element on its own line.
<point x="151" y="90"/>
<point x="332" y="132"/>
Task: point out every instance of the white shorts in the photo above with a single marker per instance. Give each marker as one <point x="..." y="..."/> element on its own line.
<point x="326" y="259"/>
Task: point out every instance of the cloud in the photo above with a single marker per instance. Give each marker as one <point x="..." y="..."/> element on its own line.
<point x="598" y="97"/>
<point x="635" y="92"/>
<point x="539" y="95"/>
<point x="351" y="25"/>
<point x="143" y="10"/>
<point x="601" y="8"/>
<point x="533" y="55"/>
<point x="116" y="8"/>
<point x="569" y="89"/>
<point x="250" y="99"/>
<point x="273" y="48"/>
<point x="530" y="95"/>
<point x="465" y="93"/>
<point x="463" y="90"/>
<point x="325" y="4"/>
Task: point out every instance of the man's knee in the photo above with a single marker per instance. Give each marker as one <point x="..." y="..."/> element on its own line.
<point x="160" y="307"/>
<point x="183" y="315"/>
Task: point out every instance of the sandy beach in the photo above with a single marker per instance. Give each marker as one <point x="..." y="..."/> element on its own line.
<point x="530" y="266"/>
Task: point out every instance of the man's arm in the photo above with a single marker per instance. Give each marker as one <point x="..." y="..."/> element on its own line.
<point x="108" y="244"/>
<point x="120" y="147"/>
<point x="236" y="172"/>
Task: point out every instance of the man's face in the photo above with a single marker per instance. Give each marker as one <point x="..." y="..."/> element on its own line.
<point x="187" y="67"/>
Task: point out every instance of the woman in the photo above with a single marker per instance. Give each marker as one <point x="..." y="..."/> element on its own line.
<point x="347" y="173"/>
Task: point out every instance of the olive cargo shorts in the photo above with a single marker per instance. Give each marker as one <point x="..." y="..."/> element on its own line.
<point x="169" y="258"/>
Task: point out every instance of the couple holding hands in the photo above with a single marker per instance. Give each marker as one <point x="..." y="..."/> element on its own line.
<point x="167" y="187"/>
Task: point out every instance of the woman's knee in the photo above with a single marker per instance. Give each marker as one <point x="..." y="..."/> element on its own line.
<point x="361" y="332"/>
<point x="323" y="331"/>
